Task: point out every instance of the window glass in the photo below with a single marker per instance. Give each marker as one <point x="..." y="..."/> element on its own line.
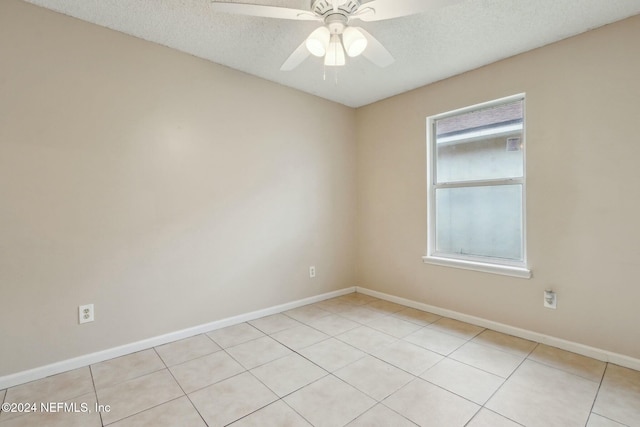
<point x="480" y="145"/>
<point x="480" y="221"/>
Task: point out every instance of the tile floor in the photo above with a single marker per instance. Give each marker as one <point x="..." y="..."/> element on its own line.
<point x="353" y="360"/>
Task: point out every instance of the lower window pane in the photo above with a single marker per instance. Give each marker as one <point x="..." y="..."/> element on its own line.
<point x="480" y="221"/>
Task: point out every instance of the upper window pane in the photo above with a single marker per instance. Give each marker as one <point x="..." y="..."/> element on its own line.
<point x="480" y="145"/>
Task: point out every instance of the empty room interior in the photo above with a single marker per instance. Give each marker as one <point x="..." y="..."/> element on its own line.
<point x="431" y="219"/>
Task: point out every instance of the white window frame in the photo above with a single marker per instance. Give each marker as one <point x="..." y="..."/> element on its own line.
<point x="467" y="262"/>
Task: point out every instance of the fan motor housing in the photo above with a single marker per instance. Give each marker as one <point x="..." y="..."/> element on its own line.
<point x="325" y="7"/>
<point x="336" y="22"/>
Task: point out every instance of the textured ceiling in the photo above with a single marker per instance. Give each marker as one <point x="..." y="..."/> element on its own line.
<point x="427" y="47"/>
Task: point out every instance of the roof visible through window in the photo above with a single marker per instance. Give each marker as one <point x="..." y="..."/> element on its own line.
<point x="497" y="116"/>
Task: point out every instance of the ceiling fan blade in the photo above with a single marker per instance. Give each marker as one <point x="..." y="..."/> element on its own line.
<point x="375" y="52"/>
<point x="296" y="58"/>
<point x="264" y="11"/>
<point x="378" y="10"/>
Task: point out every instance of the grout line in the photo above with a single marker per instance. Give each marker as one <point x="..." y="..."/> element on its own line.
<point x="255" y="410"/>
<point x="144" y="410"/>
<point x="504" y="382"/>
<point x="376" y="401"/>
<point x="244" y="342"/>
<point x="493" y="412"/>
<point x="291" y="392"/>
<point x="95" y="391"/>
<point x="185" y="394"/>
<point x="610" y="419"/>
<point x="496" y="347"/>
<point x="396" y="412"/>
<point x="484" y="405"/>
<point x="560" y="369"/>
<point x="294" y="410"/>
<point x="597" y="393"/>
<point x="160" y="357"/>
<point x="135" y="377"/>
<point x="216" y="382"/>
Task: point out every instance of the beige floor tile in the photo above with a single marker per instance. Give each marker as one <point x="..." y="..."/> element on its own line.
<point x="361" y="314"/>
<point x="366" y="339"/>
<point x="508" y="343"/>
<point x="204" y="371"/>
<point x="409" y="357"/>
<point x="299" y="337"/>
<point x="234" y="335"/>
<point x="596" y="420"/>
<point x="357" y="298"/>
<point x="374" y="377"/>
<point x="137" y="395"/>
<point x="2" y="393"/>
<point x="576" y="364"/>
<point x="435" y="341"/>
<point x="538" y="395"/>
<point x="231" y="399"/>
<point x="288" y="374"/>
<point x="258" y="352"/>
<point x="428" y="405"/>
<point x="456" y="328"/>
<point x="307" y="313"/>
<point x="278" y="414"/>
<point x="329" y="402"/>
<point x="619" y="395"/>
<point x="419" y="317"/>
<point x="393" y="326"/>
<point x="332" y="354"/>
<point x="387" y="307"/>
<point x="487" y="358"/>
<point x="274" y="323"/>
<point x="487" y="418"/>
<point x="381" y="416"/>
<point x="335" y="305"/>
<point x="464" y="380"/>
<point x="186" y="349"/>
<point x="124" y="368"/>
<point x="56" y="388"/>
<point x="178" y="412"/>
<point x="333" y="324"/>
<point x="77" y="412"/>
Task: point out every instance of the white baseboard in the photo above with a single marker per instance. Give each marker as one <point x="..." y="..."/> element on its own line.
<point x="100" y="356"/>
<point x="585" y="350"/>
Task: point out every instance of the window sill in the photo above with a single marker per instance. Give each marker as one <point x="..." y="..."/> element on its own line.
<point x="505" y="270"/>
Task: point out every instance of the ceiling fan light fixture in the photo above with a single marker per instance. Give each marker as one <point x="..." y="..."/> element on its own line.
<point x="354" y="41"/>
<point x="318" y="41"/>
<point x="335" y="53"/>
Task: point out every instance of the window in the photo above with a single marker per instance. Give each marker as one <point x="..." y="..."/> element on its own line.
<point x="476" y="188"/>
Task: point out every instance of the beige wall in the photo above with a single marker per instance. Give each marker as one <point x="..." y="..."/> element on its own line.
<point x="583" y="203"/>
<point x="168" y="191"/>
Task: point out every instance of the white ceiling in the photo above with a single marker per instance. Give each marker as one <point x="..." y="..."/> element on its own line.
<point x="427" y="47"/>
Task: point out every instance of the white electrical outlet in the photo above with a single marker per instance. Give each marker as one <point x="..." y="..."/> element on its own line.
<point x="312" y="271"/>
<point x="550" y="299"/>
<point x="85" y="313"/>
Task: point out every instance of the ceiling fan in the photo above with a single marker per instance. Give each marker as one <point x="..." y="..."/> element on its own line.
<point x="337" y="36"/>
